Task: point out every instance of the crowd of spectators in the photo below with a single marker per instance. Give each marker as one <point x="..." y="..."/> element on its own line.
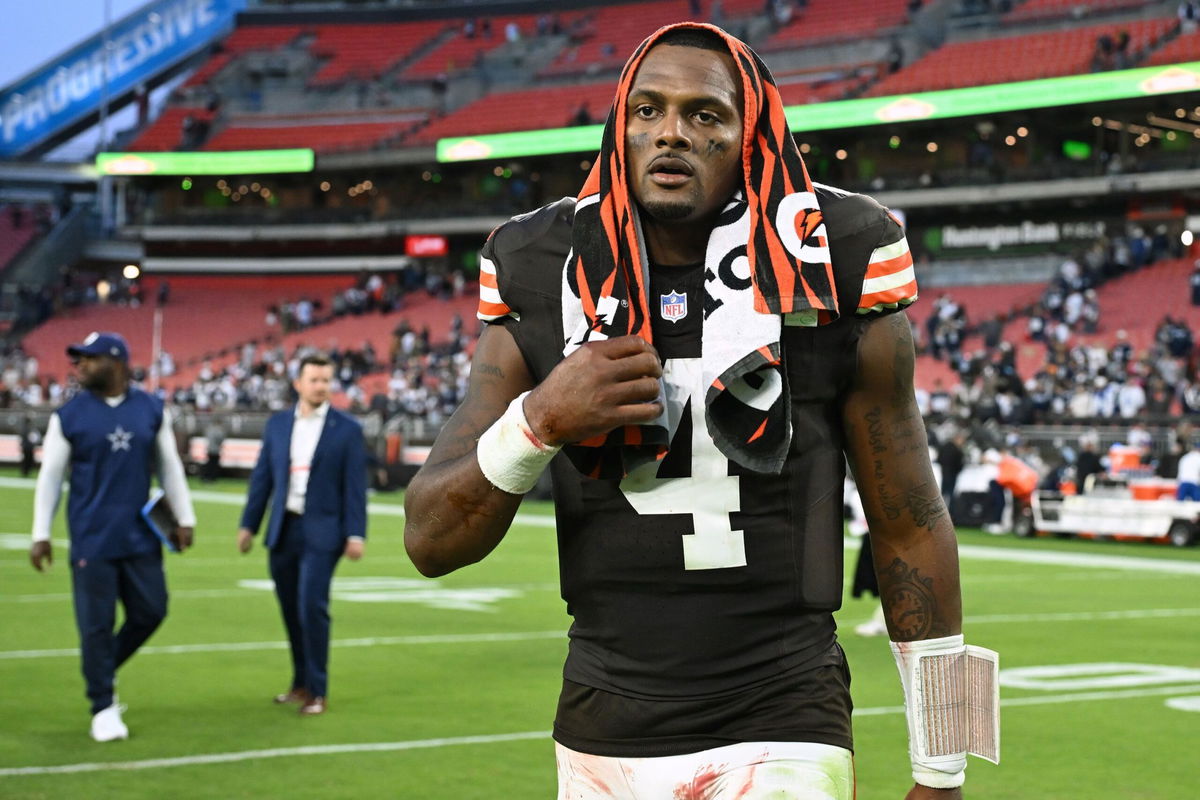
<point x="1082" y="376"/>
<point x="372" y="292"/>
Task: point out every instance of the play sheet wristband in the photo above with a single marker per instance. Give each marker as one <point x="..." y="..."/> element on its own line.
<point x="952" y="702"/>
<point x="510" y="454"/>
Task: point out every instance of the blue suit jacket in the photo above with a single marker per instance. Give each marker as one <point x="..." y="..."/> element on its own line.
<point x="335" y="503"/>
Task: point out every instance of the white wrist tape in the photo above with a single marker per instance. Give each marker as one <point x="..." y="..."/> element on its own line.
<point x="952" y="702"/>
<point x="510" y="455"/>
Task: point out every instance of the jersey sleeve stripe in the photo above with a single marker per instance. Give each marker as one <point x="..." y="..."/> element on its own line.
<point x="892" y="298"/>
<point x="489" y="294"/>
<point x="890" y="280"/>
<point x="885" y="283"/>
<point x="889" y="251"/>
<point x="491" y="305"/>
<point x="492" y="311"/>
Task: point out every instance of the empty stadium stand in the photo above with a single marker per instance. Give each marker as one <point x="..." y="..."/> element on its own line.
<point x="1018" y="57"/>
<point x="367" y="51"/>
<point x="616" y="31"/>
<point x="521" y="110"/>
<point x="1054" y="9"/>
<point x="463" y="51"/>
<point x="250" y="38"/>
<point x="166" y="132"/>
<point x="1185" y="47"/>
<point x="338" y="132"/>
<point x="826" y="20"/>
<point x="205" y="316"/>
<point x="15" y="237"/>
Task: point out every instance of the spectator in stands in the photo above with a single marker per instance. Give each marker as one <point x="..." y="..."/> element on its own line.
<point x="582" y="115"/>
<point x="1189" y="16"/>
<point x="1194" y="280"/>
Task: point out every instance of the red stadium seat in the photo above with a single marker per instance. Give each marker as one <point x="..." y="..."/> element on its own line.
<point x="166" y="132"/>
<point x="830" y="20"/>
<point x="366" y="51"/>
<point x="524" y="110"/>
<point x="1016" y="58"/>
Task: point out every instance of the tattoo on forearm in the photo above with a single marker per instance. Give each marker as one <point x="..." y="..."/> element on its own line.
<point x="875" y="430"/>
<point x="908" y="601"/>
<point x="926" y="506"/>
<point x="488" y="369"/>
<point x="922" y="502"/>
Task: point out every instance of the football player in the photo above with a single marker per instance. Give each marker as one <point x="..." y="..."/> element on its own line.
<point x="694" y="346"/>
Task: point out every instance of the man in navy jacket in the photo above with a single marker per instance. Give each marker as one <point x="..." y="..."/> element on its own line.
<point x="111" y="437"/>
<point x="312" y="470"/>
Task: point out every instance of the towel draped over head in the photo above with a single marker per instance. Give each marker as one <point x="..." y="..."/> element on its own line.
<point x="766" y="263"/>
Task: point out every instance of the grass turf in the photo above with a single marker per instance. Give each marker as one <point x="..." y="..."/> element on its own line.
<point x="432" y="664"/>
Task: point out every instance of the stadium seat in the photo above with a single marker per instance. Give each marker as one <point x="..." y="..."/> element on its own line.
<point x="334" y="135"/>
<point x="206" y="314"/>
<point x="1054" y="9"/>
<point x="527" y="109"/>
<point x="833" y="20"/>
<point x="166" y="132"/>
<point x="245" y="39"/>
<point x="1016" y="58"/>
<point x="367" y="51"/>
<point x="14" y="238"/>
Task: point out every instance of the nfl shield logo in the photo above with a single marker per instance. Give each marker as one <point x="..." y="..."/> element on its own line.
<point x="673" y="306"/>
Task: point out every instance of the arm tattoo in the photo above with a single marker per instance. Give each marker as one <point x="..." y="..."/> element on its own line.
<point x="926" y="506"/>
<point x="909" y="602"/>
<point x="488" y="369"/>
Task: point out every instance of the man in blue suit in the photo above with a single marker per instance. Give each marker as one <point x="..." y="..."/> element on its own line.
<point x="312" y="470"/>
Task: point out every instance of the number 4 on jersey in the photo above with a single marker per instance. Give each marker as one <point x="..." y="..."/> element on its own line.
<point x="708" y="495"/>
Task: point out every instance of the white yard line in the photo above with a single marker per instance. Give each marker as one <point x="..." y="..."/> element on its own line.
<point x="380" y="747"/>
<point x="371" y="641"/>
<point x="279" y="752"/>
<point x="385" y="641"/>
<point x="1085" y="616"/>
<point x="1060" y="558"/>
<point x="972" y="551"/>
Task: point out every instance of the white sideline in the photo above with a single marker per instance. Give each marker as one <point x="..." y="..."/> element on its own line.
<point x="377" y="747"/>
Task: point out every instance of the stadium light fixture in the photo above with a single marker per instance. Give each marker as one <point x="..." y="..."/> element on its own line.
<point x="237" y="162"/>
<point x="865" y="111"/>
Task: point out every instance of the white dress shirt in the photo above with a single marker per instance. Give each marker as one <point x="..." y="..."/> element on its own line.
<point x="306" y="431"/>
<point x="1189" y="467"/>
<point x="56" y="455"/>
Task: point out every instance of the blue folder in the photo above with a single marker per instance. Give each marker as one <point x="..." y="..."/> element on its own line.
<point x="159" y="517"/>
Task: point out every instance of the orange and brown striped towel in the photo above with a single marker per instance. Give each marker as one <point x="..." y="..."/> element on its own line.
<point x="772" y="242"/>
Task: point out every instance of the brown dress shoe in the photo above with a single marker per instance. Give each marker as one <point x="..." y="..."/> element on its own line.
<point x="294" y="696"/>
<point x="313" y="707"/>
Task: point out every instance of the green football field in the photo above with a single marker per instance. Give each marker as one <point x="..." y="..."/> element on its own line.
<point x="446" y="688"/>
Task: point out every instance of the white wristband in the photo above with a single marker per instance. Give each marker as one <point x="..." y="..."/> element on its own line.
<point x="510" y="454"/>
<point x="952" y="706"/>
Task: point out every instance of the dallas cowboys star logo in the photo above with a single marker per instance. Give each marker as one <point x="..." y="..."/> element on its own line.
<point x="120" y="439"/>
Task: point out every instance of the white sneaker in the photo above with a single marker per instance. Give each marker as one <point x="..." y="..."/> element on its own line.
<point x="994" y="528"/>
<point x="872" y="627"/>
<point x="107" y="725"/>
